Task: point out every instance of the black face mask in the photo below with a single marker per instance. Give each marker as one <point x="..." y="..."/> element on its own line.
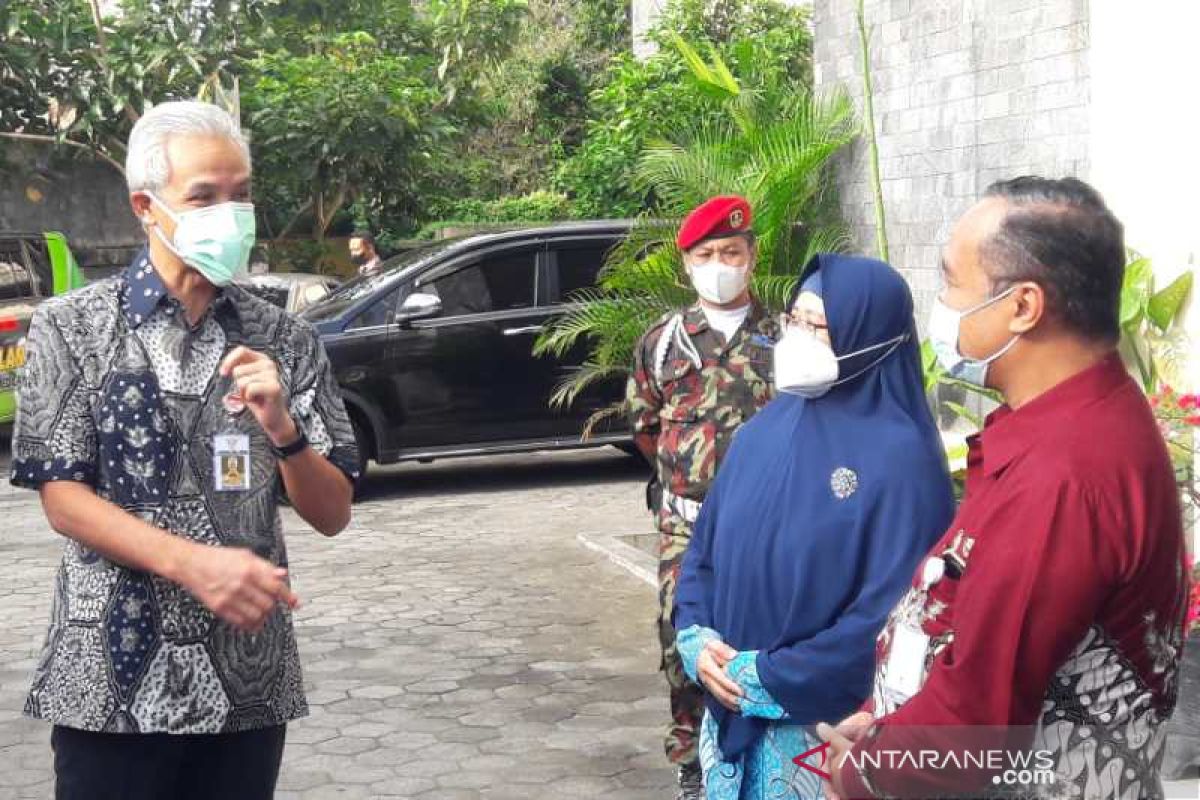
<point x="360" y="258"/>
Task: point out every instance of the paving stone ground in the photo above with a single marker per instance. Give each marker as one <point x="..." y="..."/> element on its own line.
<point x="457" y="640"/>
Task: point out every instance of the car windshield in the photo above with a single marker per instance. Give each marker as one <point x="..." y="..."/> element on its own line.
<point x="273" y="294"/>
<point x="356" y="289"/>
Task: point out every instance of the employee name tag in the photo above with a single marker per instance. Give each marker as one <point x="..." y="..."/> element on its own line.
<point x="906" y="660"/>
<point x="231" y="462"/>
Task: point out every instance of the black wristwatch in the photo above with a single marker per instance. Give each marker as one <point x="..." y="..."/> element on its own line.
<point x="293" y="448"/>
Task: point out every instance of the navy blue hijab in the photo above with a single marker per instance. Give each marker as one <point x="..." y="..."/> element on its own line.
<point x="820" y="513"/>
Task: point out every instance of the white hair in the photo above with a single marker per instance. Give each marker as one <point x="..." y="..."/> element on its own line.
<point x="146" y="164"/>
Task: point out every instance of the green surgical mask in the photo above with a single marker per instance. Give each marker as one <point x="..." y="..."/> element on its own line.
<point x="214" y="240"/>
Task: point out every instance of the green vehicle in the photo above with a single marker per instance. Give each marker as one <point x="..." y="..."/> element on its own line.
<point x="33" y="266"/>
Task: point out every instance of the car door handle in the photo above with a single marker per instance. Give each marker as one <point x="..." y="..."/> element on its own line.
<point x="519" y="331"/>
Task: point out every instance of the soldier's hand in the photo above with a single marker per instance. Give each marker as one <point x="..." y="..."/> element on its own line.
<point x="710" y="669"/>
<point x="235" y="584"/>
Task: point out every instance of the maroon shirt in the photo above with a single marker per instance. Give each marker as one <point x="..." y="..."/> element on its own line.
<point x="1062" y="601"/>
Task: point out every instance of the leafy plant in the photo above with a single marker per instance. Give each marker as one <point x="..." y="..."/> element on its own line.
<point x="70" y="76"/>
<point x="1156" y="347"/>
<point x="771" y="142"/>
<point x="641" y="100"/>
<point x="1150" y="338"/>
<point x="338" y="124"/>
<point x="530" y="208"/>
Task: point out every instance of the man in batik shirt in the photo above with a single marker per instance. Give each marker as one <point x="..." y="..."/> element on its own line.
<point x="1050" y="615"/>
<point x="161" y="415"/>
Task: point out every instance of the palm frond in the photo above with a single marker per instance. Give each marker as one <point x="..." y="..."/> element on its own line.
<point x="617" y="409"/>
<point x="775" y="146"/>
<point x="570" y="387"/>
<point x="773" y="291"/>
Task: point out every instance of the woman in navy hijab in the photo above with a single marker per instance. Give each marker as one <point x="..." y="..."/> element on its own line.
<point x="827" y="500"/>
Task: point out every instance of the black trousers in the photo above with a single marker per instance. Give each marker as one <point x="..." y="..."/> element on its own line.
<point x="161" y="766"/>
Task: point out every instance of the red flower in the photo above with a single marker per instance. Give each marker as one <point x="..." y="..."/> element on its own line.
<point x="1193" y="612"/>
<point x="1189" y="401"/>
<point x="1192" y="619"/>
<point x="1193" y="420"/>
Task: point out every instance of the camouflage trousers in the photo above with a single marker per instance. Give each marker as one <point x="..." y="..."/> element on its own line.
<point x="687" y="699"/>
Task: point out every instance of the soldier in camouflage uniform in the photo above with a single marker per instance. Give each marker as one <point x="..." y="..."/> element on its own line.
<point x="699" y="374"/>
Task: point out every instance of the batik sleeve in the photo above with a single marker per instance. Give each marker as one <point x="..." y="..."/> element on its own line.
<point x="1034" y="583"/>
<point x="316" y="404"/>
<point x="54" y="435"/>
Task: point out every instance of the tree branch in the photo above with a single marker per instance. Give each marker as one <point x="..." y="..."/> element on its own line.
<point x="327" y="214"/>
<point x="102" y="41"/>
<point x="37" y="137"/>
<point x="295" y="220"/>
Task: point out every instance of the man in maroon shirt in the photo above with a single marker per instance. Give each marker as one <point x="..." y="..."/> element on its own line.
<point x="1054" y="603"/>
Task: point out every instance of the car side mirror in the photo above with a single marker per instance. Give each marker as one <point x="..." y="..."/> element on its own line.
<point x="418" y="306"/>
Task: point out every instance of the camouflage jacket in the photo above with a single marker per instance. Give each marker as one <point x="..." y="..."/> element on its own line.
<point x="684" y="417"/>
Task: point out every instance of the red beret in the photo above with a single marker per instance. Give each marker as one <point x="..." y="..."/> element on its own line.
<point x="719" y="216"/>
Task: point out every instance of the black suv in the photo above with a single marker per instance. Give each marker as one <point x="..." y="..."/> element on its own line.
<point x="434" y="353"/>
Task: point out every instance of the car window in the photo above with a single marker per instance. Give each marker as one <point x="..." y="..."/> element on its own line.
<point x="496" y="283"/>
<point x="355" y="289"/>
<point x="578" y="266"/>
<point x="43" y="273"/>
<point x="275" y="295"/>
<point x="381" y="312"/>
<point x="312" y="293"/>
<point x="16" y="282"/>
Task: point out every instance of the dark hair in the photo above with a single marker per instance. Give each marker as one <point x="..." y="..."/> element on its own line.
<point x="365" y="236"/>
<point x="1060" y="235"/>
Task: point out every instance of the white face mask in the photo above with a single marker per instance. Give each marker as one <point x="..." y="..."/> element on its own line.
<point x="944" y="326"/>
<point x="719" y="283"/>
<point x="806" y="366"/>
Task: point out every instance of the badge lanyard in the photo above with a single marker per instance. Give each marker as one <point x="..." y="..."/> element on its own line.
<point x="905" y="669"/>
<point x="231" y="448"/>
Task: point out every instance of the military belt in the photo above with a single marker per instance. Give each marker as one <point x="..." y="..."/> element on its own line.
<point x="682" y="507"/>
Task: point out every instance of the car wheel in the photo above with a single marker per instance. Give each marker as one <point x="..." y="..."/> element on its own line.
<point x="631" y="450"/>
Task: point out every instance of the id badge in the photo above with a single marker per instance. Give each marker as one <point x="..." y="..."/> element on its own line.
<point x="906" y="660"/>
<point x="231" y="462"/>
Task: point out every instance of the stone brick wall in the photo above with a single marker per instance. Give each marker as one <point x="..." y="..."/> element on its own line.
<point x="966" y="92"/>
<point x="84" y="198"/>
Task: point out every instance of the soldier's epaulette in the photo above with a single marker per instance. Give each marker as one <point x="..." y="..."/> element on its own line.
<point x="665" y="318"/>
<point x="661" y="323"/>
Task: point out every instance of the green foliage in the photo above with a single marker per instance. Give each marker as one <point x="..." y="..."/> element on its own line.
<point x="63" y="76"/>
<point x="351" y="121"/>
<point x="533" y="207"/>
<point x="769" y="140"/>
<point x="643" y="100"/>
<point x="350" y="105"/>
<point x="533" y="104"/>
<point x="602" y="27"/>
<point x="640" y="99"/>
<point x="1151" y="338"/>
<point x="470" y="35"/>
<point x="488" y="99"/>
